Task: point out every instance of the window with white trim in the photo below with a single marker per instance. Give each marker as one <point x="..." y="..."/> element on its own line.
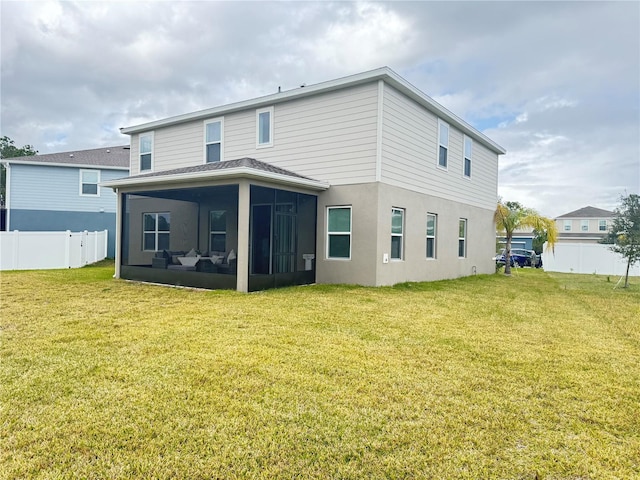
<point x="218" y="231"/>
<point x="339" y="232"/>
<point x="602" y="225"/>
<point x="397" y="233"/>
<point x="264" y="127"/>
<point x="432" y="226"/>
<point x="584" y="225"/>
<point x="567" y="225"/>
<point x="443" y="143"/>
<point x="155" y="231"/>
<point x="466" y="161"/>
<point x="146" y="151"/>
<point x="213" y="140"/>
<point x="462" y="238"/>
<point x="89" y="180"/>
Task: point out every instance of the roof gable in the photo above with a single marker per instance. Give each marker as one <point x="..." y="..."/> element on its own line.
<point x="588" y="212"/>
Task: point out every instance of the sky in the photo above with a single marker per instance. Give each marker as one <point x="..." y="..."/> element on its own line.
<point x="556" y="84"/>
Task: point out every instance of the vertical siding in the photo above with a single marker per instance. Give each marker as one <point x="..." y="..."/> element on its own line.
<point x="329" y="137"/>
<point x="36" y="187"/>
<point x="409" y="155"/>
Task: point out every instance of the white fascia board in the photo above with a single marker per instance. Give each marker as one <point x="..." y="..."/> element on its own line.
<point x="239" y="172"/>
<point x="384" y="73"/>
<point x="68" y="165"/>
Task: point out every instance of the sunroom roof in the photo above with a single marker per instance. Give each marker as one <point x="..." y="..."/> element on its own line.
<point x="239" y="168"/>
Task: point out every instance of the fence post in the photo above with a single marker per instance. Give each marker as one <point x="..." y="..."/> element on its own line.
<point x="16" y="250"/>
<point x="67" y="249"/>
<point x="106" y="243"/>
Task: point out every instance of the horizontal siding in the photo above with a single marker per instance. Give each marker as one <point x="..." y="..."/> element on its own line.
<point x="35" y="187"/>
<point x="409" y="156"/>
<point x="329" y="137"/>
<point x="576" y="225"/>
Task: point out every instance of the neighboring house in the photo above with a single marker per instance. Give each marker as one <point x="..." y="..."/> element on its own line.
<point x="360" y="180"/>
<point x="61" y="191"/>
<point x="586" y="225"/>
<point x="522" y="238"/>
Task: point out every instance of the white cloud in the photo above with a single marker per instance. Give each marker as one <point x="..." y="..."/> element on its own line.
<point x="534" y="76"/>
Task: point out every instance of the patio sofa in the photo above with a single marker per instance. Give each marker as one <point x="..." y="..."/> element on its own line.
<point x="208" y="262"/>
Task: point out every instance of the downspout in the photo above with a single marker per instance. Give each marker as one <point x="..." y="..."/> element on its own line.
<point x="7" y="196"/>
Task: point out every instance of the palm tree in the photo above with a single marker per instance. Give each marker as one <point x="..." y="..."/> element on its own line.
<point x="510" y="216"/>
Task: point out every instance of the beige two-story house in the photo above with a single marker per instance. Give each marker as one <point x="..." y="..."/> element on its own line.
<point x="585" y="225"/>
<point x="363" y="180"/>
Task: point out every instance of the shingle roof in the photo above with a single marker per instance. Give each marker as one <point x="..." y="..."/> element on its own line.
<point x="225" y="170"/>
<point x="113" y="157"/>
<point x="240" y="162"/>
<point x="588" y="212"/>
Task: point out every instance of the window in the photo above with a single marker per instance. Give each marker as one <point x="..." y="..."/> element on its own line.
<point x="339" y="232"/>
<point x="468" y="148"/>
<point x="462" y="238"/>
<point x="218" y="231"/>
<point x="89" y="180"/>
<point x="584" y="225"/>
<point x="443" y="142"/>
<point x="432" y="225"/>
<point x="567" y="225"/>
<point x="264" y="127"/>
<point x="602" y="225"/>
<point x="397" y="226"/>
<point x="146" y="149"/>
<point x="155" y="231"/>
<point x="213" y="140"/>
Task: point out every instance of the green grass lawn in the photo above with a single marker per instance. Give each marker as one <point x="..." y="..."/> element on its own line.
<point x="482" y="377"/>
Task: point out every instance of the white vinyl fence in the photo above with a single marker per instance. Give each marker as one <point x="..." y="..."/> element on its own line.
<point x="47" y="250"/>
<point x="586" y="258"/>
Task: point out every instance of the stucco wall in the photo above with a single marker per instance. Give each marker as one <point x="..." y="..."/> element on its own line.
<point x="371" y="237"/>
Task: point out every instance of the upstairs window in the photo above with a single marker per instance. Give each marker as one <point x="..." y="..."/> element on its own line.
<point x="213" y="141"/>
<point x="584" y="225"/>
<point x="432" y="225"/>
<point x="397" y="233"/>
<point x="155" y="231"/>
<point x="264" y="127"/>
<point x="602" y="225"/>
<point x="468" y="150"/>
<point x="462" y="238"/>
<point x="339" y="232"/>
<point x="443" y="143"/>
<point x="89" y="180"/>
<point x="146" y="151"/>
<point x="567" y="225"/>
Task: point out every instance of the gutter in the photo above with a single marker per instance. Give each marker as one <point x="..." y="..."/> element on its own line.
<point x="69" y="165"/>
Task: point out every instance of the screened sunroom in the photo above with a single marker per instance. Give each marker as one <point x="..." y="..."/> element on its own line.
<point x="238" y="225"/>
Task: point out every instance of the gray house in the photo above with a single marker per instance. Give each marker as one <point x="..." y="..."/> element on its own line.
<point x="61" y="191"/>
<point x="363" y="179"/>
